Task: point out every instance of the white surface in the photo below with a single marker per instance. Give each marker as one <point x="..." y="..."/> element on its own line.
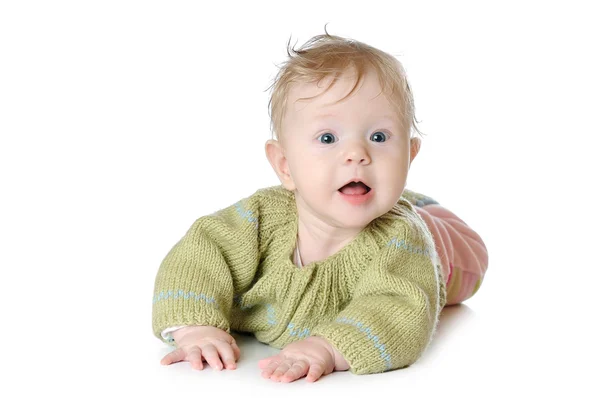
<point x="122" y="122"/>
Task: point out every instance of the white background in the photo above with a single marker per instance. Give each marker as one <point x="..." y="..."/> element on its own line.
<point x="121" y="122"/>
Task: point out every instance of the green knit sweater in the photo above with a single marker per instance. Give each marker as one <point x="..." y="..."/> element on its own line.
<point x="377" y="300"/>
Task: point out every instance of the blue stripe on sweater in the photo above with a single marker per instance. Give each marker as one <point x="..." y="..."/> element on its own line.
<point x="297" y="332"/>
<point x="402" y="244"/>
<point x="372" y="337"/>
<point x="246" y="214"/>
<point x="272" y="320"/>
<point x="180" y="294"/>
<point x="271" y="315"/>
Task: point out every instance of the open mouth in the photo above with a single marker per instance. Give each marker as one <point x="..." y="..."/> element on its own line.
<point x="355" y="188"/>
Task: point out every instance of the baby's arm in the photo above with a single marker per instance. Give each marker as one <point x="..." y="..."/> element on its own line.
<point x="196" y="282"/>
<point x="395" y="306"/>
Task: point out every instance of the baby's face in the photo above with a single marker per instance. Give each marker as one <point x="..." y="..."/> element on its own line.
<point x="348" y="161"/>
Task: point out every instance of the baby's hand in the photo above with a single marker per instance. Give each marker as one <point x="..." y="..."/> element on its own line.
<point x="196" y="342"/>
<point x="313" y="356"/>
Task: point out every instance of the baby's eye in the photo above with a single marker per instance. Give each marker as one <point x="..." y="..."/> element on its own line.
<point x="327" y="138"/>
<point x="378" y="137"/>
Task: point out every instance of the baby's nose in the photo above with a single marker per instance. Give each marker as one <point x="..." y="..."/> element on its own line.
<point x="357" y="154"/>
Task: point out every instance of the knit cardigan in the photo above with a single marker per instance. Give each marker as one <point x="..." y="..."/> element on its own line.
<point x="377" y="300"/>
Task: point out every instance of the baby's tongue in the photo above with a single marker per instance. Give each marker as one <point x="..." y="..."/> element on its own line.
<point x="354" y="188"/>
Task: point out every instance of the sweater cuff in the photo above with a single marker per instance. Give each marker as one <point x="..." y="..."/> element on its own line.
<point x="359" y="346"/>
<point x="166" y="334"/>
<point x="186" y="309"/>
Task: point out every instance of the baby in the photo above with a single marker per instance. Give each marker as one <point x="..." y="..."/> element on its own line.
<point x="340" y="266"/>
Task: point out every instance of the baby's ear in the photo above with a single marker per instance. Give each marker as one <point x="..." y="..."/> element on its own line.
<point x="415" y="146"/>
<point x="276" y="156"/>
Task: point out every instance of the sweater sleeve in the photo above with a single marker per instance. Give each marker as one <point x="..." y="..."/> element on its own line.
<point x="395" y="306"/>
<point x="196" y="281"/>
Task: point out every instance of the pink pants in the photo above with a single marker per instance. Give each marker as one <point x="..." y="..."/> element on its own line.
<point x="461" y="250"/>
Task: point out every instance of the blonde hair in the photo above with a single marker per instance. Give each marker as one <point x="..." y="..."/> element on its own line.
<point x="326" y="55"/>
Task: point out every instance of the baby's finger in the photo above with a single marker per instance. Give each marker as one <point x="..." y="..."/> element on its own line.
<point x="298" y="369"/>
<point x="263" y="363"/>
<point x="226" y="353"/>
<point x="236" y="350"/>
<point x="211" y="355"/>
<point x="270" y="367"/>
<point x="174" y="356"/>
<point x="194" y="357"/>
<point x="281" y="369"/>
<point x="316" y="370"/>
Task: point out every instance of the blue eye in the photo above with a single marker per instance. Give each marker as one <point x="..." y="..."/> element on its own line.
<point x="378" y="137"/>
<point x="327" y="138"/>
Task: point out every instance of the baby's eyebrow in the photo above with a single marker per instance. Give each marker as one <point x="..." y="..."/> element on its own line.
<point x="324" y="116"/>
<point x="389" y="118"/>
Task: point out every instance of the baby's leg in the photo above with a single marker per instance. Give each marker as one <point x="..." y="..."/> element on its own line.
<point x="461" y="250"/>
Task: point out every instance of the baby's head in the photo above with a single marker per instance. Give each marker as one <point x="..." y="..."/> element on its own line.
<point x="342" y="116"/>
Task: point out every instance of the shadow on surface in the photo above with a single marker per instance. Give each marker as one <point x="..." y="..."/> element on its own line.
<point x="452" y="319"/>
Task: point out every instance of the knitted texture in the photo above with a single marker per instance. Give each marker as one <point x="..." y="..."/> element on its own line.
<point x="377" y="300"/>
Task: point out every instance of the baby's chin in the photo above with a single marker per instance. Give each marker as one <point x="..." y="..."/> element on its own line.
<point x="357" y="221"/>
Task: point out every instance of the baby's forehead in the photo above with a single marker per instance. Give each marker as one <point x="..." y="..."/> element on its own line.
<point x="325" y="94"/>
<point x="307" y="89"/>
